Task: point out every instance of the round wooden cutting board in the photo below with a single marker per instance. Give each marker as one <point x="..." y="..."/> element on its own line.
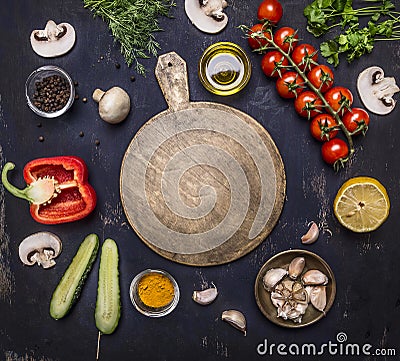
<point x="201" y="183"/>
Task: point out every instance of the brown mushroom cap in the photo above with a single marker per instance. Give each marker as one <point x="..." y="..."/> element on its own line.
<point x="54" y="40"/>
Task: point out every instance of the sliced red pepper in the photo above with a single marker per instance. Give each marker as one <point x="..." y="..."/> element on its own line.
<point x="57" y="189"/>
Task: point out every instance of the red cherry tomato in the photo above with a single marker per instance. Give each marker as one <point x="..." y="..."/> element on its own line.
<point x="271" y="11"/>
<point x="356" y="118"/>
<point x="320" y="127"/>
<point x="308" y="104"/>
<point x="272" y="63"/>
<point x="338" y="97"/>
<point x="321" y="77"/>
<point x="289" y="85"/>
<point x="305" y="56"/>
<point x="258" y="33"/>
<point x="334" y="150"/>
<point x="286" y="38"/>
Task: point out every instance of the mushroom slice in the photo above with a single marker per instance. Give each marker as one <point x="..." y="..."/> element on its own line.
<point x="376" y="91"/>
<point x="40" y="248"/>
<point x="207" y="15"/>
<point x="54" y="40"/>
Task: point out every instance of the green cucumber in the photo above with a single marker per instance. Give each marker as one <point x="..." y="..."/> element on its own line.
<point x="71" y="283"/>
<point x="108" y="304"/>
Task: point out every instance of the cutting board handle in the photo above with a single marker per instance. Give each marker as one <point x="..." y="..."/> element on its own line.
<point x="171" y="73"/>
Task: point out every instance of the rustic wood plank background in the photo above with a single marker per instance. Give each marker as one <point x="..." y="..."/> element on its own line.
<point x="366" y="266"/>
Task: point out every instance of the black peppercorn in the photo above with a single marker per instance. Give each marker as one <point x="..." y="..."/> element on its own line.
<point x="51" y="93"/>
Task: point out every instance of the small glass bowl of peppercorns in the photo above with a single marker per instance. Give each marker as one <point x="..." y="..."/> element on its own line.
<point x="49" y="91"/>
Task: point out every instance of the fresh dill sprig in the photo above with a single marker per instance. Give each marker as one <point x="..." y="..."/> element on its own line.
<point x="133" y="24"/>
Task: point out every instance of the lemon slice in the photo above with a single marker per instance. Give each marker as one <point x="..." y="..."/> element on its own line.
<point x="361" y="204"/>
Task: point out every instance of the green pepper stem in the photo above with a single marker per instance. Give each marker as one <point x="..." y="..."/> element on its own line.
<point x="20" y="193"/>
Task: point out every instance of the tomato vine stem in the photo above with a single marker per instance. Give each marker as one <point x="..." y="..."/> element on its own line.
<point x="273" y="46"/>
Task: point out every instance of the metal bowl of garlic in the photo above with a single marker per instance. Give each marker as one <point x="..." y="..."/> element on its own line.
<point x="315" y="281"/>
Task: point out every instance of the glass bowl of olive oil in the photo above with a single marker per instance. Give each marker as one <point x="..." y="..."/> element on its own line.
<point x="224" y="68"/>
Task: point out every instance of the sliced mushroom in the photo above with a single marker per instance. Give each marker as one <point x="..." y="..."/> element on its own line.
<point x="40" y="248"/>
<point x="54" y="40"/>
<point x="207" y="15"/>
<point x="376" y="91"/>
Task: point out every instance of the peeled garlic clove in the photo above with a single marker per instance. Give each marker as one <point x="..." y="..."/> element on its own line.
<point x="318" y="297"/>
<point x="296" y="267"/>
<point x="314" y="277"/>
<point x="205" y="297"/>
<point x="272" y="277"/>
<point x="236" y="319"/>
<point x="312" y="234"/>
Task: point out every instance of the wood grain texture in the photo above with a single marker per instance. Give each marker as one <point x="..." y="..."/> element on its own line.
<point x="201" y="183"/>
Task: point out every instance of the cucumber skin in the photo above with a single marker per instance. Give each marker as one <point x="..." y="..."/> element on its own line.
<point x="104" y="326"/>
<point x="53" y="312"/>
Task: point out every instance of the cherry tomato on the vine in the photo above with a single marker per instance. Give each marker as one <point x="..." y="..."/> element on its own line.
<point x="308" y="104"/>
<point x="256" y="36"/>
<point x="270" y="10"/>
<point x="356" y="118"/>
<point x="305" y="56"/>
<point x="273" y="64"/>
<point x="321" y="77"/>
<point x="339" y="97"/>
<point x="286" y="38"/>
<point x="322" y="127"/>
<point x="289" y="85"/>
<point x="334" y="150"/>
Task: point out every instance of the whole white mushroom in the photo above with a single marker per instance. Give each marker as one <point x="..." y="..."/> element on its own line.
<point x="114" y="104"/>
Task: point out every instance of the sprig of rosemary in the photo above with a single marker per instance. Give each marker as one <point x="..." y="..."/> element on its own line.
<point x="133" y="24"/>
<point x="354" y="41"/>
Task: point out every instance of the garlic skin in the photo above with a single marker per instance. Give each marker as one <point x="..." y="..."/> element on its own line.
<point x="312" y="234"/>
<point x="273" y="277"/>
<point x="314" y="277"/>
<point x="296" y="267"/>
<point x="318" y="297"/>
<point x="205" y="297"/>
<point x="236" y="319"/>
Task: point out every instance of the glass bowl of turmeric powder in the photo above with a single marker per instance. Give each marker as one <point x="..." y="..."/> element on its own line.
<point x="154" y="292"/>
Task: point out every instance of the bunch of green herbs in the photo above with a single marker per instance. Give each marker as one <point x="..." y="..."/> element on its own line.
<point x="353" y="39"/>
<point x="133" y="24"/>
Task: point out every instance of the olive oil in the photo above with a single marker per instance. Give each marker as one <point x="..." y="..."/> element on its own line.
<point x="224" y="68"/>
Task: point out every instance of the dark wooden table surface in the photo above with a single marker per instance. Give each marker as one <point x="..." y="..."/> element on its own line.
<point x="366" y="266"/>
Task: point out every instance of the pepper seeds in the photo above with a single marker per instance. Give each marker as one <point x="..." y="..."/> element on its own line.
<point x="51" y="93"/>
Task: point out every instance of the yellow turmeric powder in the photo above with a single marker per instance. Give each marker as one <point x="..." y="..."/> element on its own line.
<point x="155" y="290"/>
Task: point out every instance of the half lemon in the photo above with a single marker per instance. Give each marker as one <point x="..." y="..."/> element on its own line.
<point x="361" y="204"/>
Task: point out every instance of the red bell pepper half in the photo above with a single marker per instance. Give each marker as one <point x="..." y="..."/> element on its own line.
<point x="57" y="189"/>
